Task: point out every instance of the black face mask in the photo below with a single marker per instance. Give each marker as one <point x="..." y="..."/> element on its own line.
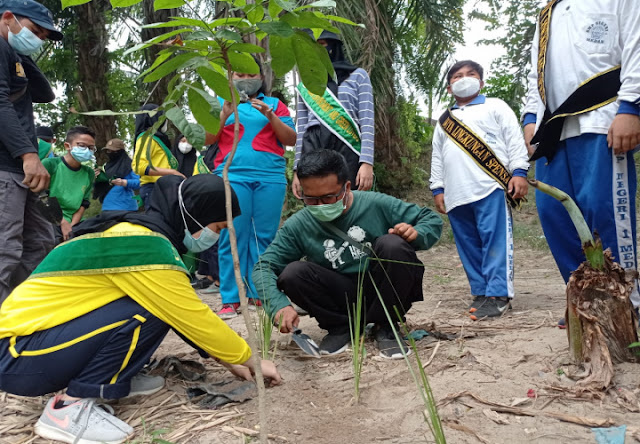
<point x="114" y="154"/>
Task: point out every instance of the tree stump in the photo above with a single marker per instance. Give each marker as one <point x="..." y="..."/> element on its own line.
<point x="600" y="319"/>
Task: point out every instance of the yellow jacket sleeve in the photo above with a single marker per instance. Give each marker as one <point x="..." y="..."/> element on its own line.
<point x="168" y="295"/>
<point x="140" y="160"/>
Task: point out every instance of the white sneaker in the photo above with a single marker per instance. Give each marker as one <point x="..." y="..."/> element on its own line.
<point x="83" y="422"/>
<point x="145" y="385"/>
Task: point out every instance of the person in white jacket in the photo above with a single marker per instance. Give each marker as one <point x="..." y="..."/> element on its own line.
<point x="476" y="203"/>
<point x="593" y="159"/>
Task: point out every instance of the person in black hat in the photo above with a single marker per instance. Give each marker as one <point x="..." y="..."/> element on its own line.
<point x="25" y="235"/>
<point x="46" y="139"/>
<point x="342" y="120"/>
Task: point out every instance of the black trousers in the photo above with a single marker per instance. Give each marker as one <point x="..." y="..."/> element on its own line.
<point x="93" y="356"/>
<point x="326" y="294"/>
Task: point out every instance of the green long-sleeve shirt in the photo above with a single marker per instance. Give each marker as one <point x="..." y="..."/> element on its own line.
<point x="369" y="217"/>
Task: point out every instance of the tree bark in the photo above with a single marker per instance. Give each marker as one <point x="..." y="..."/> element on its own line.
<point x="93" y="66"/>
<point x="161" y="87"/>
<point x="600" y="320"/>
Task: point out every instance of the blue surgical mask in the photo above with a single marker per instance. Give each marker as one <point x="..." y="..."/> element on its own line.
<point x="81" y="153"/>
<point x="25" y="42"/>
<point x="327" y="212"/>
<point x="207" y="238"/>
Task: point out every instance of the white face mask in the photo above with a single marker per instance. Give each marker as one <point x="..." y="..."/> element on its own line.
<point x="466" y="87"/>
<point x="185" y="147"/>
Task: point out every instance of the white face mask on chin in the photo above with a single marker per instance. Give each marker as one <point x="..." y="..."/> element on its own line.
<point x="184" y="147"/>
<point x="466" y="87"/>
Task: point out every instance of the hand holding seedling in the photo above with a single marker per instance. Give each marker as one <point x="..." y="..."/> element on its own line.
<point x="287" y="319"/>
<point x="405" y="231"/>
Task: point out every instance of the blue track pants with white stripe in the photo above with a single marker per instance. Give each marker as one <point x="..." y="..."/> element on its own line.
<point x="603" y="186"/>
<point x="484" y="238"/>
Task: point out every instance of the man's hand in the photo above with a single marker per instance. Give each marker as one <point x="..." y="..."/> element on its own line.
<point x="518" y="187"/>
<point x="529" y="132"/>
<point x="624" y="133"/>
<point x="66" y="228"/>
<point x="439" y="201"/>
<point x="287" y="319"/>
<point x="36" y="176"/>
<point x="364" y="179"/>
<point x="296" y="189"/>
<point x="405" y="231"/>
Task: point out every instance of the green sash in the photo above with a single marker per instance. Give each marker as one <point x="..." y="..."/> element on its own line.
<point x="330" y="112"/>
<point x="480" y="152"/>
<point x="173" y="162"/>
<point x="113" y="252"/>
<point x="201" y="167"/>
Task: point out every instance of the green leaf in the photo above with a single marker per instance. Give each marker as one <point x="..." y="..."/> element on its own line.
<point x="274" y="9"/>
<point x="177" y="21"/>
<point x="318" y="4"/>
<point x="335" y="18"/>
<point x="255" y="13"/>
<point x="227" y="22"/>
<point x="67" y="3"/>
<point x="276" y="28"/>
<point x="192" y="131"/>
<point x="260" y="35"/>
<point x="203" y="111"/>
<point x="247" y="47"/>
<point x="313" y="72"/>
<point x="160" y="59"/>
<point x="124" y="3"/>
<point x="286" y="4"/>
<point x="242" y="62"/>
<point x="169" y="66"/>
<point x="167" y="4"/>
<point x="282" y="57"/>
<point x="108" y="112"/>
<point x="308" y="19"/>
<point x="228" y="35"/>
<point x="216" y="81"/>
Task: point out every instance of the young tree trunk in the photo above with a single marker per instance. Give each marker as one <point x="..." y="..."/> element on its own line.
<point x="93" y="65"/>
<point x="600" y="320"/>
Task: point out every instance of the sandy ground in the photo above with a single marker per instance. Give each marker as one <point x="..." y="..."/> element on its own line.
<point x="499" y="361"/>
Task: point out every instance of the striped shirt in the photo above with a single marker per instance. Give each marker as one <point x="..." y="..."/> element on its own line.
<point x="356" y="96"/>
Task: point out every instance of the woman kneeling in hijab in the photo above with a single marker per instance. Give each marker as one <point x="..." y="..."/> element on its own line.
<point x="95" y="310"/>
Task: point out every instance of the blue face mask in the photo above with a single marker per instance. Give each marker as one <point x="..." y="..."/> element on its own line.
<point x="25" y="42"/>
<point x="207" y="238"/>
<point x="81" y="153"/>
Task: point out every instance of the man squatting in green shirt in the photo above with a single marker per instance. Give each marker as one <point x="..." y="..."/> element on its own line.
<point x="71" y="182"/>
<point x="323" y="283"/>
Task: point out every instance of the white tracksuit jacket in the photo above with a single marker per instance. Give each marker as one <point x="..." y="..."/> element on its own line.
<point x="588" y="37"/>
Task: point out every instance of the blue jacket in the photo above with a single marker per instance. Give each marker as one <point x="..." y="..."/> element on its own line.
<point x="121" y="198"/>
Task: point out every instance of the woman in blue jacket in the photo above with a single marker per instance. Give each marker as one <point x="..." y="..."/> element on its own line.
<point x="121" y="178"/>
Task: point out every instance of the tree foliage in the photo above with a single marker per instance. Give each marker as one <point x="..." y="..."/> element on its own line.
<point x="517" y="19"/>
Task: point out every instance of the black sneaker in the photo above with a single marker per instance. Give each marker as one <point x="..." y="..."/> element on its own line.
<point x="492" y="308"/>
<point x="200" y="284"/>
<point x="333" y="344"/>
<point x="387" y="344"/>
<point x="478" y="301"/>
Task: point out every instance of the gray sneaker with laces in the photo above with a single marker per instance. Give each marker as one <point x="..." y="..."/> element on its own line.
<point x="82" y="422"/>
<point x="142" y="384"/>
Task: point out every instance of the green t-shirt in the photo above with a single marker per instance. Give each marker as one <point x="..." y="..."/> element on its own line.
<point x="44" y="149"/>
<point x="70" y="187"/>
<point x="302" y="235"/>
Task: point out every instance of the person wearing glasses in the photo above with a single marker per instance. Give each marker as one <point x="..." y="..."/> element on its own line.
<point x="351" y="240"/>
<point x="71" y="181"/>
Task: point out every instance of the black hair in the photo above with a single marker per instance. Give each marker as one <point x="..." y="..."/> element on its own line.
<point x="77" y="131"/>
<point x="461" y="64"/>
<point x="322" y="163"/>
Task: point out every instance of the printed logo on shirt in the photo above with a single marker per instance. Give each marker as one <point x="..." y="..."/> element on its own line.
<point x="598" y="32"/>
<point x="333" y="253"/>
<point x="20" y="70"/>
<point x="490" y="138"/>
